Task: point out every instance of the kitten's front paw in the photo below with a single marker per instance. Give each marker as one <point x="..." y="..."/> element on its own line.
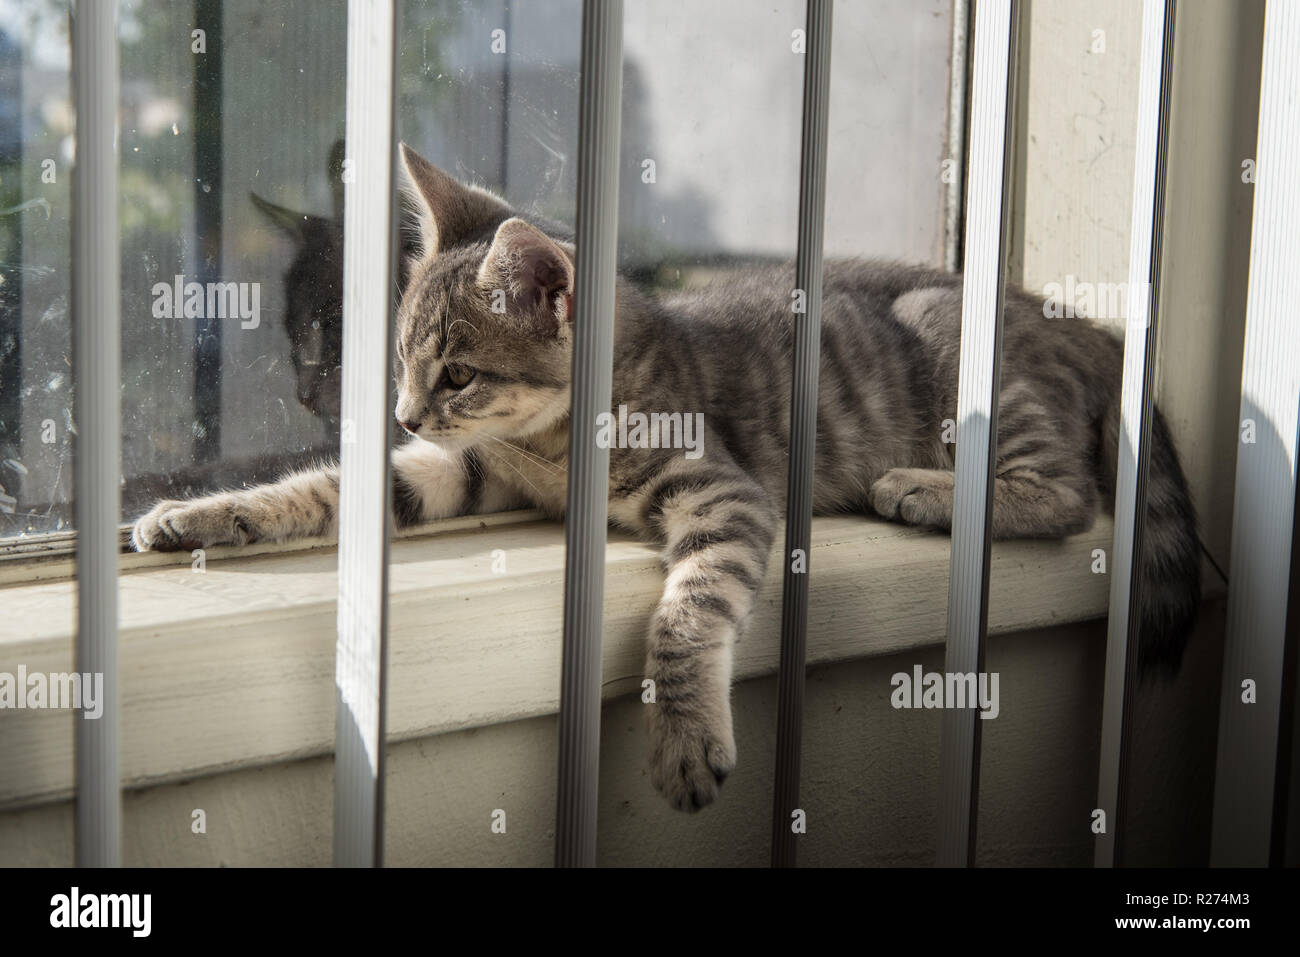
<point x="688" y="758"/>
<point x="174" y="526"/>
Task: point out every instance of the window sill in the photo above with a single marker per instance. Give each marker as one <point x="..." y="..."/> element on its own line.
<point x="234" y="666"/>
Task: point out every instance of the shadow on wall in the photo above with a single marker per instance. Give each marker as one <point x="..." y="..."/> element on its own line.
<point x="1170" y="809"/>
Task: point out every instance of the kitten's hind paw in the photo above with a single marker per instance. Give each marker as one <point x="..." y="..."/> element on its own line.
<point x="688" y="760"/>
<point x="915" y="496"/>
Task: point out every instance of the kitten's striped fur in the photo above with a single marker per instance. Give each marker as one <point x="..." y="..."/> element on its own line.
<point x="888" y="382"/>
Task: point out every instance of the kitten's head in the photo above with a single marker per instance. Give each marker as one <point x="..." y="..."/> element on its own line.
<point x="483" y="337"/>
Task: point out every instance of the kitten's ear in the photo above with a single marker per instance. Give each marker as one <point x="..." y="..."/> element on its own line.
<point x="533" y="271"/>
<point x="448" y="212"/>
<point x="295" y="225"/>
<point x="334" y="170"/>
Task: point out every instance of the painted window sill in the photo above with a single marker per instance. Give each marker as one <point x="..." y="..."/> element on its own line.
<point x="234" y="666"/>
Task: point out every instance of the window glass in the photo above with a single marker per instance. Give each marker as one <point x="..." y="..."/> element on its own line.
<point x="229" y="115"/>
<point x="36" y="149"/>
<point x="231" y="150"/>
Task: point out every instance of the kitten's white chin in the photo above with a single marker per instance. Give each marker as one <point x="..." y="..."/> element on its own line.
<point x="449" y="444"/>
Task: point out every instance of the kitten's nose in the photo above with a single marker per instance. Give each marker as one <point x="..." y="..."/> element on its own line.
<point x="411" y="427"/>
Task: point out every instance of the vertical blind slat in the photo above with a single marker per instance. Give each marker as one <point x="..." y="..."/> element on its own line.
<point x="803" y="428"/>
<point x="368" y="281"/>
<point x="957" y="93"/>
<point x="588" y="503"/>
<point x="96" y="338"/>
<point x="1136" y="411"/>
<point x="984" y="281"/>
<point x="1264" y="499"/>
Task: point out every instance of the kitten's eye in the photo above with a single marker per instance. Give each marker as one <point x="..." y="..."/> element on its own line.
<point x="460" y="376"/>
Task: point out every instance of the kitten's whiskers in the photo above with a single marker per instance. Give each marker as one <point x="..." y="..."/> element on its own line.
<point x="535" y="458"/>
<point x="505" y="461"/>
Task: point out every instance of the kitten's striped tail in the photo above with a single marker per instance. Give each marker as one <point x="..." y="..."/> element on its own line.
<point x="1170" y="585"/>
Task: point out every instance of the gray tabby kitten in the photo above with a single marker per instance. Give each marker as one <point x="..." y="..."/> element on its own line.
<point x="486" y="395"/>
